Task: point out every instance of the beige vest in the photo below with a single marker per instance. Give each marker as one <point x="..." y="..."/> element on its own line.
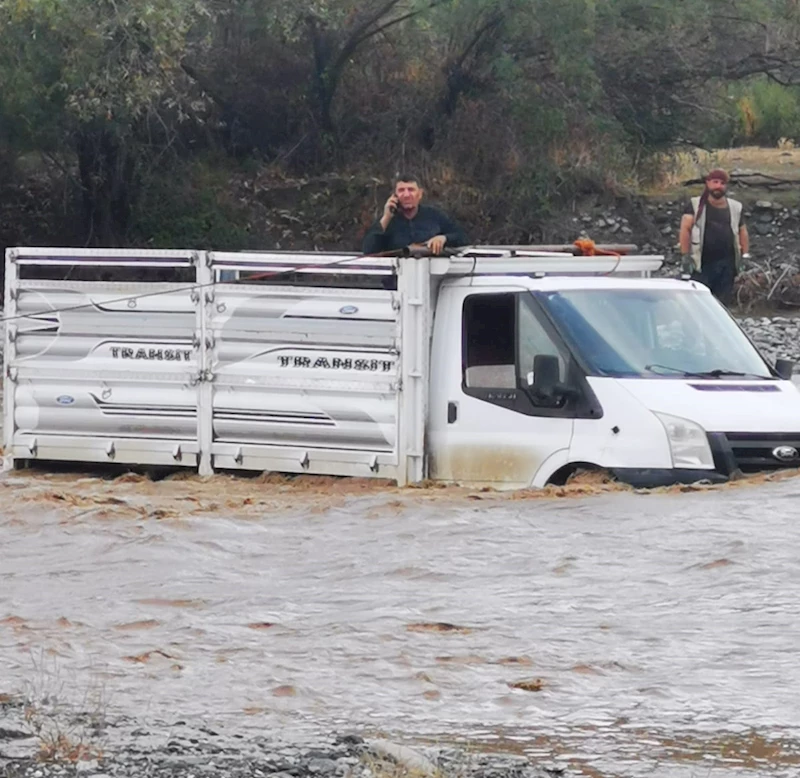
<point x="699" y="229"/>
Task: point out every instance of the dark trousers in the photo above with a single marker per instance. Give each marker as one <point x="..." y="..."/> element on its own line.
<point x="718" y="277"/>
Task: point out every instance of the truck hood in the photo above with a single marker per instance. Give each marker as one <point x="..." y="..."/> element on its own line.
<point x="722" y="406"/>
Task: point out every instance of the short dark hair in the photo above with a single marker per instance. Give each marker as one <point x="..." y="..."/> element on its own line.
<point x="718" y="173"/>
<point x="408" y="177"/>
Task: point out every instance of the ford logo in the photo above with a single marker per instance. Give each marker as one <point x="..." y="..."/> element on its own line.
<point x="785" y="453"/>
<point x="348" y="310"/>
<point x="65" y="399"/>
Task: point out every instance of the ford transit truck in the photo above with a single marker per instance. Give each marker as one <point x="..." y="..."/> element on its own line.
<point x="504" y="367"/>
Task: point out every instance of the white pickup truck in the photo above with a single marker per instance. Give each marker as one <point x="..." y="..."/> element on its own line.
<point x="498" y="366"/>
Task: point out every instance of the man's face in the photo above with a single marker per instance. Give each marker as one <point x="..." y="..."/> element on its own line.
<point x="408" y="194"/>
<point x="716" y="187"/>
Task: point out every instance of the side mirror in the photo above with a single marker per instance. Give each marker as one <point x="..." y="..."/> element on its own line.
<point x="546" y="376"/>
<point x="784" y="368"/>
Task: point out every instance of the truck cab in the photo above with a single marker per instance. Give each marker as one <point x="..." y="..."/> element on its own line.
<point x="649" y="379"/>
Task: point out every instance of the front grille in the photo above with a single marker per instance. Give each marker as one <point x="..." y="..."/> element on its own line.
<point x="755" y="451"/>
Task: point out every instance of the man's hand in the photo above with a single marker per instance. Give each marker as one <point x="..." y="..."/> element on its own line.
<point x="687" y="264"/>
<point x="436" y="244"/>
<point x="389" y="210"/>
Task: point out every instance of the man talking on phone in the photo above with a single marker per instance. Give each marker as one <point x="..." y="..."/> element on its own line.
<point x="404" y="222"/>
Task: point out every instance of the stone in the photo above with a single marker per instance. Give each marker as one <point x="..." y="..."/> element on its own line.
<point x="14" y="734"/>
<point x="322" y="767"/>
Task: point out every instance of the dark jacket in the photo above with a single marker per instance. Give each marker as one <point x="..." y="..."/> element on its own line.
<point x="402" y="232"/>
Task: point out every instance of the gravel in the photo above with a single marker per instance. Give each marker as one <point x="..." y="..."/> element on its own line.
<point x="195" y="755"/>
<point x="775" y="336"/>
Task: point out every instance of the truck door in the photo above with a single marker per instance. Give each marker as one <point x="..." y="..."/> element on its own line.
<point x="487" y="425"/>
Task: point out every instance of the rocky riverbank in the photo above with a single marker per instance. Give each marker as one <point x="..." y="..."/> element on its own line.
<point x="770" y="278"/>
<point x="177" y="751"/>
<point x="777" y="337"/>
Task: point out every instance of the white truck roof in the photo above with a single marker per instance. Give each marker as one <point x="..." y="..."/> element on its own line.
<point x="556" y="283"/>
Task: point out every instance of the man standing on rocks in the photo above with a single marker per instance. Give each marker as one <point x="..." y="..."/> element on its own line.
<point x="713" y="237"/>
<point x="405" y="222"/>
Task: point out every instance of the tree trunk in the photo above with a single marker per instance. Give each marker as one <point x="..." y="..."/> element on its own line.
<point x="106" y="172"/>
<point x="324" y="80"/>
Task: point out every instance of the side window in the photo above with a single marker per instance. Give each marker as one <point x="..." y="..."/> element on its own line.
<point x="534" y="340"/>
<point x="488" y="341"/>
<point x="502" y="336"/>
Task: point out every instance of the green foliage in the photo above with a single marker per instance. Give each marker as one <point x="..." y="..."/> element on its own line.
<point x="189" y="205"/>
<point x="85" y="61"/>
<point x="531" y="102"/>
<point x="767" y="112"/>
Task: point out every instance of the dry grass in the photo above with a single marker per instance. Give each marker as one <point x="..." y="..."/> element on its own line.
<point x="67" y="727"/>
<point x="674" y="169"/>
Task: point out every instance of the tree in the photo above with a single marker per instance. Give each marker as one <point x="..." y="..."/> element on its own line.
<point x="87" y="77"/>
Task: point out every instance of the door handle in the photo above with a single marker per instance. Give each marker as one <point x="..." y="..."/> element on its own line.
<point x="452" y="412"/>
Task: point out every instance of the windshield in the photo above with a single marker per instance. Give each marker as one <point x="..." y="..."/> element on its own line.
<point x="653" y="333"/>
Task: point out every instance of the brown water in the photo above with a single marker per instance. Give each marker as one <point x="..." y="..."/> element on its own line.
<point x="622" y="633"/>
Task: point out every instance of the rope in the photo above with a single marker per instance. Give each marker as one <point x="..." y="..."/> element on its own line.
<point x="589" y="248"/>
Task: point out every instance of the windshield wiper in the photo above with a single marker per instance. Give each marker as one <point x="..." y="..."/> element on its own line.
<point x="716" y="373"/>
<point x="720" y="372"/>
<point x="677" y="370"/>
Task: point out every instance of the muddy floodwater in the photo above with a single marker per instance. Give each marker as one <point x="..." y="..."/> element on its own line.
<point x="616" y="632"/>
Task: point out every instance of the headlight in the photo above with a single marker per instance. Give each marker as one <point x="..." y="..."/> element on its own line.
<point x="687" y="442"/>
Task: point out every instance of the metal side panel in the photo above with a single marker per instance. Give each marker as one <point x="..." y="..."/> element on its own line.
<point x="94" y="327"/>
<point x="302" y="368"/>
<point x="314" y="461"/>
<point x="128" y="451"/>
<point x="94" y="367"/>
<point x="96" y="407"/>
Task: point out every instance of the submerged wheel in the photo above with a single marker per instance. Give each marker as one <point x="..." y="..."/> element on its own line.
<point x="580" y="473"/>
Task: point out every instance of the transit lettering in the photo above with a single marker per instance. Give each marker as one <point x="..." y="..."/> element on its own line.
<point x="152" y="354"/>
<point x="338" y="363"/>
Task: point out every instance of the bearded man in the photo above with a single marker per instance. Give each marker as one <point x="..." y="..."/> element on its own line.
<point x="713" y="237"/>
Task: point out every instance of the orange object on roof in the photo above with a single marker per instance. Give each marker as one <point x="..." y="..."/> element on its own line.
<point x="588" y="248"/>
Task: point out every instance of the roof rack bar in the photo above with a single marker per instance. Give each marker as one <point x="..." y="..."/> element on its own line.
<point x="46" y="256"/>
<point x="568" y="248"/>
<point x="474" y="260"/>
<point x="552" y="265"/>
